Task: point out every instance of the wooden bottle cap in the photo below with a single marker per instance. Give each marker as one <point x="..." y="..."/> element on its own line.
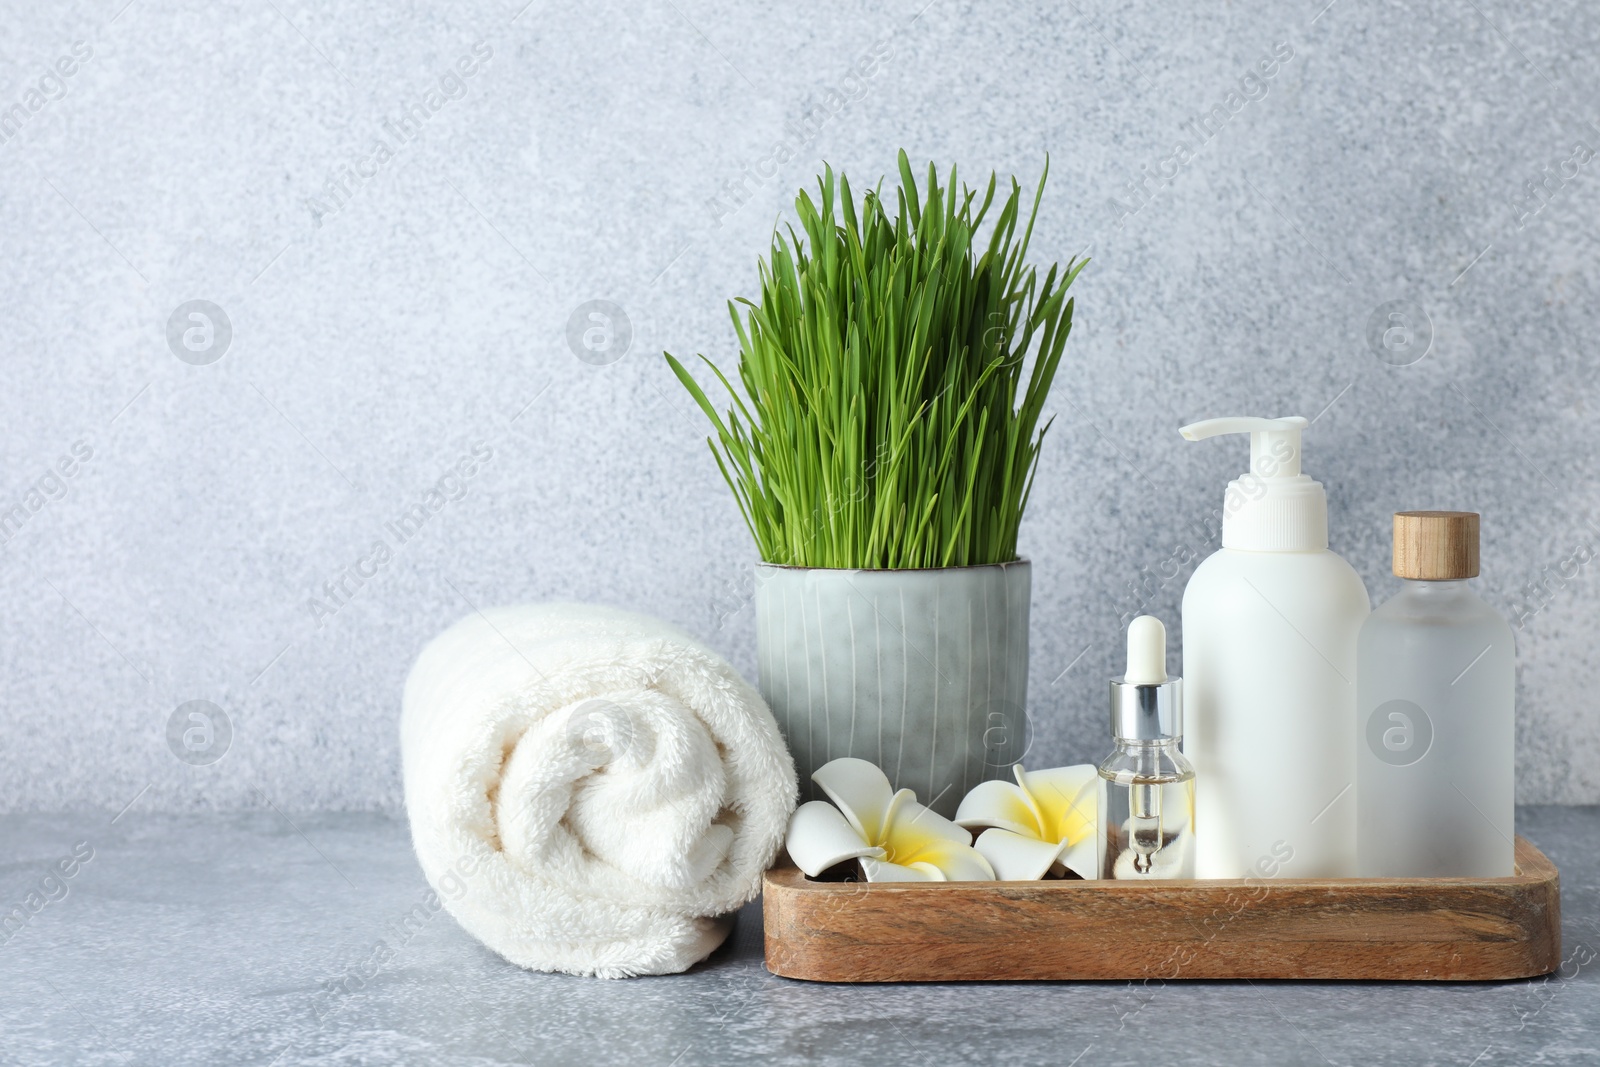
<point x="1436" y="546"/>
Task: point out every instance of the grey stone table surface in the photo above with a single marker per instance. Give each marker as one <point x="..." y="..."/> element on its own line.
<point x="272" y="938"/>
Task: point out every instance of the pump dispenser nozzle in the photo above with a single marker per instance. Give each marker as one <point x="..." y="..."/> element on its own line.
<point x="1272" y="507"/>
<point x="1274" y="443"/>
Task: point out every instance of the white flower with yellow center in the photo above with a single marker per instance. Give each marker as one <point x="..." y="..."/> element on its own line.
<point x="895" y="838"/>
<point x="1046" y="818"/>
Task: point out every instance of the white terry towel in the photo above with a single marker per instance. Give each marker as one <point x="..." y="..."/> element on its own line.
<point x="589" y="788"/>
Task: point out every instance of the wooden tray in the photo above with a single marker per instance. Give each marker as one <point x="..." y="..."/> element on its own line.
<point x="1446" y="929"/>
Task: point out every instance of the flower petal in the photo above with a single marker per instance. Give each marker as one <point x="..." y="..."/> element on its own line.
<point x="958" y="863"/>
<point x="917" y="832"/>
<point x="882" y="871"/>
<point x="860" y="790"/>
<point x="1082" y="857"/>
<point x="998" y="804"/>
<point x="914" y="818"/>
<point x="819" y="837"/>
<point x="933" y="872"/>
<point x="1068" y="799"/>
<point x="1017" y="857"/>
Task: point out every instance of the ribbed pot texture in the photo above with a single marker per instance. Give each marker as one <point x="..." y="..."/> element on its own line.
<point x="922" y="672"/>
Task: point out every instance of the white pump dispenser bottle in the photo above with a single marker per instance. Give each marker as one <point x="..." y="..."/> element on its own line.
<point x="1270" y="622"/>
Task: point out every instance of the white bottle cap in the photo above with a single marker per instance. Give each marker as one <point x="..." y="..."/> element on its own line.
<point x="1146" y="703"/>
<point x="1147" y="651"/>
<point x="1272" y="507"/>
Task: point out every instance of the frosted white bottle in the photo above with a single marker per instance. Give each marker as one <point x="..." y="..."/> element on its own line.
<point x="1436" y="715"/>
<point x="1270" y="626"/>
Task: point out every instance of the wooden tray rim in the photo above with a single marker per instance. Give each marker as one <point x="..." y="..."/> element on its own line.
<point x="1533" y="867"/>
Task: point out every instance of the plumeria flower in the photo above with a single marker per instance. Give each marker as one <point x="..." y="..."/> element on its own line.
<point x="1046" y="818"/>
<point x="895" y="838"/>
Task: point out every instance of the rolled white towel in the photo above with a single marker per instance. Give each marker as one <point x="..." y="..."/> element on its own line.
<point x="588" y="788"/>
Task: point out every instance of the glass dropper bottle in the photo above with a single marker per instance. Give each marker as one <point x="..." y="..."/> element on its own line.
<point x="1147" y="813"/>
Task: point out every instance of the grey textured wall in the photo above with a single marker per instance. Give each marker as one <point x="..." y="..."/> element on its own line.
<point x="1434" y="154"/>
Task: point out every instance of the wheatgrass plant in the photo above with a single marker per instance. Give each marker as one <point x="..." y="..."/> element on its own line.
<point x="889" y="415"/>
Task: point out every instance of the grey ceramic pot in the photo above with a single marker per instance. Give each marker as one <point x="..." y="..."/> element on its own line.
<point x="922" y="672"/>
